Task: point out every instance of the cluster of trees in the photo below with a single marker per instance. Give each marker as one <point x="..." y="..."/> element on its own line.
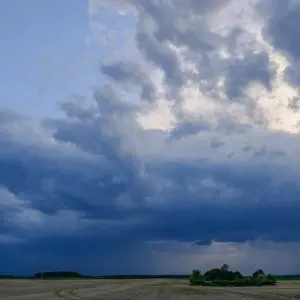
<point x="224" y="277"/>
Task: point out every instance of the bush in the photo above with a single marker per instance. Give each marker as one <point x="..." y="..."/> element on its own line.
<point x="271" y="278"/>
<point x="238" y="275"/>
<point x="258" y="272"/>
<point x="266" y="280"/>
<point x="208" y="283"/>
<point x="261" y="280"/>
<point x="195" y="281"/>
<point x="237" y="282"/>
<point x="242" y="282"/>
<point x="221" y="282"/>
<point x="201" y="282"/>
<point x="196" y="274"/>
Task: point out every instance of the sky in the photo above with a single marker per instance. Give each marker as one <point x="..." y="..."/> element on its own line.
<point x="149" y="137"/>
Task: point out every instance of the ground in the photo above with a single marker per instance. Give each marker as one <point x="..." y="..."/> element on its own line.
<point x="138" y="290"/>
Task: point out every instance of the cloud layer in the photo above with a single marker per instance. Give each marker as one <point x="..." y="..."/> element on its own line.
<point x="193" y="136"/>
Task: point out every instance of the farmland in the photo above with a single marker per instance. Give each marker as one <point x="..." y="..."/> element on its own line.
<point x="153" y="289"/>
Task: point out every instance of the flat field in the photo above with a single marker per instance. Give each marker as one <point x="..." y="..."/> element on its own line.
<point x="138" y="290"/>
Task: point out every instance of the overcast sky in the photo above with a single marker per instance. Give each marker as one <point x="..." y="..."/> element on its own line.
<point x="143" y="136"/>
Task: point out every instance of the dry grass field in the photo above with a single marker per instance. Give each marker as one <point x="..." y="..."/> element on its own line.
<point x="139" y="290"/>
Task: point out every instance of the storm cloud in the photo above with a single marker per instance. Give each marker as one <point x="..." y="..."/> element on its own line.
<point x="203" y="172"/>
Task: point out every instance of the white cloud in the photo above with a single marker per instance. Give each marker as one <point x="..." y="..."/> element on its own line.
<point x="122" y="6"/>
<point x="271" y="106"/>
<point x="234" y="32"/>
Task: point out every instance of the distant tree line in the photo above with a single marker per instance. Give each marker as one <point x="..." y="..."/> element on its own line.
<point x="14" y="277"/>
<point x="61" y="274"/>
<point x="224" y="277"/>
<point x="222" y="273"/>
<point x="66" y="274"/>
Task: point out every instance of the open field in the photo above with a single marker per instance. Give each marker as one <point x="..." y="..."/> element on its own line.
<point x="139" y="290"/>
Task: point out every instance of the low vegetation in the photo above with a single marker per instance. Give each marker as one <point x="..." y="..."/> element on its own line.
<point x="224" y="277"/>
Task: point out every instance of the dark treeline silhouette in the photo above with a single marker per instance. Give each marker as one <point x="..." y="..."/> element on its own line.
<point x="75" y="275"/>
<point x="213" y="274"/>
<point x="13" y="277"/>
<point x="224" y="277"/>
<point x="133" y="276"/>
<point x="58" y="274"/>
<point x="66" y="274"/>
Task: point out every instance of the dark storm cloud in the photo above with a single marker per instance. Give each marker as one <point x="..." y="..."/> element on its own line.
<point x="226" y="224"/>
<point x="94" y="187"/>
<point x="184" y="202"/>
<point x="86" y="193"/>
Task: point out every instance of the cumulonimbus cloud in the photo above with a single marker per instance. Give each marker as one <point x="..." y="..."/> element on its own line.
<point x="195" y="140"/>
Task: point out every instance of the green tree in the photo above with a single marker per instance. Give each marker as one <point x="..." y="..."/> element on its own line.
<point x="225" y="267"/>
<point x="238" y="275"/>
<point x="258" y="272"/>
<point x="196" y="274"/>
<point x="271" y="279"/>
